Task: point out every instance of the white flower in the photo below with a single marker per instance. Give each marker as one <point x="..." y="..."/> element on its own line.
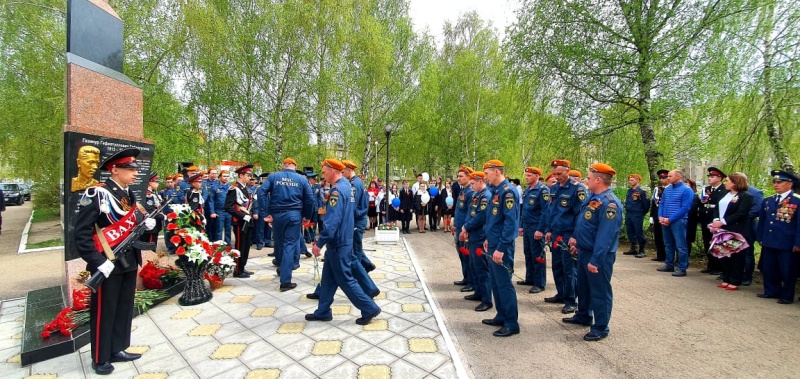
<point x="227" y="261"/>
<point x="235" y="253"/>
<point x="196" y="253"/>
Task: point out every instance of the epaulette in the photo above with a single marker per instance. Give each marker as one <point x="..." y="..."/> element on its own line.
<point x="796" y="196"/>
<point x="610" y="197"/>
<point x="505" y="187"/>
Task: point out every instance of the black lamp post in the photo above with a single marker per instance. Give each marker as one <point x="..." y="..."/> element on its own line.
<point x="388" y="131"/>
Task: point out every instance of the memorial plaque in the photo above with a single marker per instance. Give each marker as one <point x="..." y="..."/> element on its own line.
<point x="94" y="33"/>
<point x="79" y="149"/>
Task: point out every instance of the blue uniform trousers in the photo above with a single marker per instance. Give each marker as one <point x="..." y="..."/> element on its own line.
<point x="336" y="273"/>
<point x="505" y="295"/>
<point x="287" y="228"/>
<point x="223" y="229"/>
<point x="212" y="226"/>
<point x="466" y="271"/>
<point x="480" y="272"/>
<point x="358" y="245"/>
<point x="675" y="242"/>
<point x="564" y="269"/>
<point x="534" y="271"/>
<point x="634" y="223"/>
<point x="258" y="233"/>
<point x="360" y="274"/>
<point x="595" y="297"/>
<point x="779" y="269"/>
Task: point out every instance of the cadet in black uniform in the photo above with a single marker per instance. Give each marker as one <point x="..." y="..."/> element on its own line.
<point x="152" y="201"/>
<point x="238" y="205"/>
<point x="658" y="233"/>
<point x="110" y="208"/>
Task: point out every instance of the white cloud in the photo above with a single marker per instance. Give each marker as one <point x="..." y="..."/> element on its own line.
<point x="432" y="14"/>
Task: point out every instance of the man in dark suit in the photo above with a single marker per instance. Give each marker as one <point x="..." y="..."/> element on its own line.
<point x="749" y="253"/>
<point x="658" y="233"/>
<point x="779" y="236"/>
<point x="710" y="198"/>
<point x="105" y="213"/>
<point x="406" y="207"/>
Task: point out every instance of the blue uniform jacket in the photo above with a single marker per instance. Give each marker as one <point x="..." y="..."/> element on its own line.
<point x="636" y="201"/>
<point x="778" y="225"/>
<point x="463" y="201"/>
<point x="216" y="199"/>
<point x="565" y="206"/>
<point x="179" y="194"/>
<point x="476" y="217"/>
<point x="287" y="190"/>
<point x="361" y="199"/>
<point x="536" y="206"/>
<point x="338" y="217"/>
<point x="502" y="219"/>
<point x="597" y="230"/>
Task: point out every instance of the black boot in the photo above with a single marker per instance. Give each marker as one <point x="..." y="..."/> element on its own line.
<point x="640" y="254"/>
<point x="632" y="251"/>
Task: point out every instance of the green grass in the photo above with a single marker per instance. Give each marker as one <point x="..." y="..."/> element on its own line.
<point x="46" y="214"/>
<point x="48" y="243"/>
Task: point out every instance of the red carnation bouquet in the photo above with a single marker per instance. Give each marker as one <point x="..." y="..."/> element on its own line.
<point x="155" y="276"/>
<point x="71" y="317"/>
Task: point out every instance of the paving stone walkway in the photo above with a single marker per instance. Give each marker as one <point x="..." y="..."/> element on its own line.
<point x="251" y="330"/>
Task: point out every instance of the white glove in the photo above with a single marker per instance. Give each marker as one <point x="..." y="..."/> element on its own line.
<point x="149" y="223"/>
<point x="106" y="268"/>
<point x="246" y="218"/>
<point x="651" y="220"/>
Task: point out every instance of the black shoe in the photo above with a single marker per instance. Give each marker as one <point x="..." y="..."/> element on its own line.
<point x="781" y="301"/>
<point x="640" y="254"/>
<point x="491" y="322"/>
<point x="574" y="321"/>
<point x="366" y="320"/>
<point x="569" y="309"/>
<point x="482" y="307"/>
<point x="764" y="296"/>
<point x="259" y="247"/>
<point x="714" y="272"/>
<point x="248" y="272"/>
<point x="124" y="356"/>
<point x="312" y="317"/>
<point x="473" y="297"/>
<point x="308" y="255"/>
<point x="524" y="283"/>
<point x="269" y="244"/>
<point x="369" y="268"/>
<point x="679" y="273"/>
<point x="536" y="289"/>
<point x="706" y="271"/>
<point x="666" y="268"/>
<point x="241" y="275"/>
<point x="467" y="289"/>
<point x="104" y="368"/>
<point x="658" y="259"/>
<point x="312" y="296"/>
<point x="271" y="254"/>
<point x="554" y="300"/>
<point x="275" y="262"/>
<point x="505" y="332"/>
<point x="288" y="286"/>
<point x="718" y="277"/>
<point x="593" y="337"/>
<point x="376" y="293"/>
<point x="746" y="283"/>
<point x="632" y="251"/>
<point x="460" y="282"/>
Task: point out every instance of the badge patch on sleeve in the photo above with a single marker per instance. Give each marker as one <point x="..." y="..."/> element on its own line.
<point x="484" y="203"/>
<point x="510" y="202"/>
<point x="581" y="195"/>
<point x="494" y="211"/>
<point x="546" y="196"/>
<point x="588" y="215"/>
<point x="334" y="199"/>
<point x="611" y="211"/>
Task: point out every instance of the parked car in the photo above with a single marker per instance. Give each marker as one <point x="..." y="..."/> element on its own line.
<point x="26" y="191"/>
<point x="13" y="193"/>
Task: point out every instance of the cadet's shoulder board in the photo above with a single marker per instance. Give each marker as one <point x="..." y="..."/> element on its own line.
<point x="796" y="196"/>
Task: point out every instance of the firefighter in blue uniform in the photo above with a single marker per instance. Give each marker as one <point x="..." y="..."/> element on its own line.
<point x="216" y="207"/>
<point x="238" y="204"/>
<point x="111" y="309"/>
<point x="636" y="206"/>
<point x="474" y="235"/>
<point x="535" y="210"/>
<point x="595" y="242"/>
<point x="463" y="201"/>
<point x="289" y="204"/>
<point x="566" y="199"/>
<point x="779" y="236"/>
<point x="362" y="206"/>
<point x="502" y="227"/>
<point x="338" y="238"/>
<point x="266" y="232"/>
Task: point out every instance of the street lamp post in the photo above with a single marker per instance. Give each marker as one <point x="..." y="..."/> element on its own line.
<point x="388" y="131"/>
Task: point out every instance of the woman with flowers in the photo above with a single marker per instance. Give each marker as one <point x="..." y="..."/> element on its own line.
<point x="731" y="214"/>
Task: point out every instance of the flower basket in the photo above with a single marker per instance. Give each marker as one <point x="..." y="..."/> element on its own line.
<point x="215" y="283"/>
<point x="387" y="234"/>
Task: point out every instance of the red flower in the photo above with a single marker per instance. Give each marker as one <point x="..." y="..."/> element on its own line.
<point x="172" y="226"/>
<point x="180" y="250"/>
<point x="463" y="250"/>
<point x="46" y="334"/>
<point x="172" y="216"/>
<point x="540" y="260"/>
<point x="175" y="240"/>
<point x="65" y="332"/>
<point x="479" y="252"/>
<point x="188" y="239"/>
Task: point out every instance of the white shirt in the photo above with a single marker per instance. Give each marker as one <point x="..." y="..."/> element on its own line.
<point x="723" y="206"/>
<point x="783" y="195"/>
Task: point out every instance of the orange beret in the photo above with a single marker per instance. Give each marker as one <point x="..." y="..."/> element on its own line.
<point x="574" y="173"/>
<point x="602" y="168"/>
<point x="202" y="172"/>
<point x="334" y="164"/>
<point x="289" y="161"/>
<point x="637" y="176"/>
<point x="350" y="164"/>
<point x="493" y="163"/>
<point x="477" y="175"/>
<point x="466" y="169"/>
<point x="560" y="162"/>
<point x="223" y="172"/>
<point x="169" y="177"/>
<point x="533" y="170"/>
<point x="192" y="168"/>
<point x="549" y="177"/>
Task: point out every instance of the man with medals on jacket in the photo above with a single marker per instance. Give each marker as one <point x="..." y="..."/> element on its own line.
<point x="107" y="213"/>
<point x="238" y="205"/>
